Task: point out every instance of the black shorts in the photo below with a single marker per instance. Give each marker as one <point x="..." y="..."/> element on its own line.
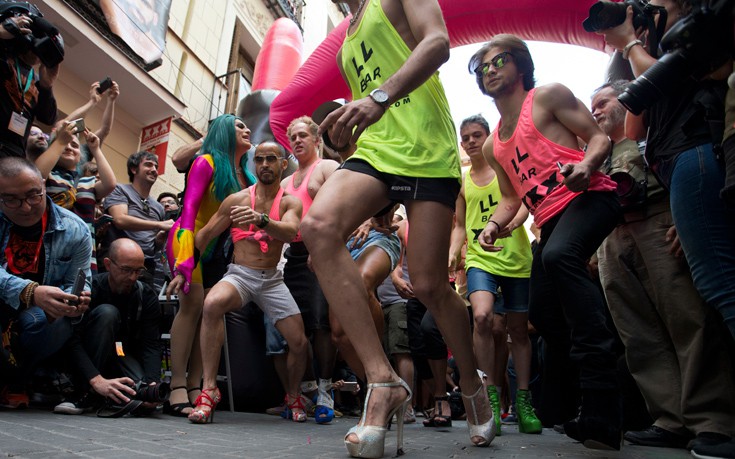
<point x="401" y="188"/>
<point x="305" y="289"/>
<point x="214" y="269"/>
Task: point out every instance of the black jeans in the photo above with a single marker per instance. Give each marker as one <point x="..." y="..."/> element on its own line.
<point x="566" y="307"/>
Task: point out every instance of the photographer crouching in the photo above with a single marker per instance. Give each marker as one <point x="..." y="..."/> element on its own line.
<point x="677" y="104"/>
<point x="31" y="50"/>
<point x="116" y="349"/>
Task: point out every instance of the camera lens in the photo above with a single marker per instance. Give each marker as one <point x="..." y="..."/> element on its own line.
<point x="152" y="393"/>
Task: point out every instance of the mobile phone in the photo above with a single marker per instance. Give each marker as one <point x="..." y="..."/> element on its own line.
<point x="104" y="85"/>
<point x="105" y="218"/>
<point x="348" y="386"/>
<point x="79" y="125"/>
<point x="78" y="286"/>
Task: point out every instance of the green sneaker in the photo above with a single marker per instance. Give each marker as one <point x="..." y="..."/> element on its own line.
<point x="492" y="394"/>
<point x="527" y="420"/>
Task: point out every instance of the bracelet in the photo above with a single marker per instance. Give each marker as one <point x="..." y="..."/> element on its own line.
<point x="629" y="46"/>
<point x="496" y="224"/>
<point x="26" y="295"/>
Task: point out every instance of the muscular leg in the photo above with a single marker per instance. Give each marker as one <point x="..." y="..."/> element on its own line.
<point x="344" y="201"/>
<point x="222" y="299"/>
<point x="431" y="223"/>
<point x="374" y="266"/>
<point x="292" y="329"/>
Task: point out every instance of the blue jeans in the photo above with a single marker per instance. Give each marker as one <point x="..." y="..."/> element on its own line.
<point x="706" y="227"/>
<point x="40" y="338"/>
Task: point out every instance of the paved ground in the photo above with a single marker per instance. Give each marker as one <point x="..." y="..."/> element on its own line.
<point x="36" y="433"/>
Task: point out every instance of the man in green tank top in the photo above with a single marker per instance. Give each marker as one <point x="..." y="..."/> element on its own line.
<point x="406" y="152"/>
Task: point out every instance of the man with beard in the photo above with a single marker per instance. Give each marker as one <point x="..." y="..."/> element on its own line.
<point x="262" y="218"/>
<point x="135" y="215"/>
<point x="36" y="144"/>
<point x="672" y="338"/>
<point x="535" y="154"/>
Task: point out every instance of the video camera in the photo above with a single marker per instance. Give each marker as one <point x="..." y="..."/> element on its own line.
<point x="604" y="15"/>
<point x="694" y="47"/>
<point x="44" y="40"/>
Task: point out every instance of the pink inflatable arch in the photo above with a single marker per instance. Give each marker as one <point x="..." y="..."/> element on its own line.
<point x="468" y="21"/>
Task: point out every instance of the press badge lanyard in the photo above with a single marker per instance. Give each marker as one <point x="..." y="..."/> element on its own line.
<point x="29" y="80"/>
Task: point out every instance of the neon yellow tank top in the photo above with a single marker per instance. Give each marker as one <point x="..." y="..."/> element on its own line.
<point x="515" y="258"/>
<point x="416" y="136"/>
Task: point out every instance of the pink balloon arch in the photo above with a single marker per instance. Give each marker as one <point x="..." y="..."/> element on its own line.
<point x="468" y="21"/>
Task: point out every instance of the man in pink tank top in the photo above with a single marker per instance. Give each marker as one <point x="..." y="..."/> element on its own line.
<point x="261" y="219"/>
<point x="301" y="281"/>
<point x="534" y="151"/>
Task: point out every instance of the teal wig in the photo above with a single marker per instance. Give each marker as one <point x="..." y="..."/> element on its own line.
<point x="220" y="143"/>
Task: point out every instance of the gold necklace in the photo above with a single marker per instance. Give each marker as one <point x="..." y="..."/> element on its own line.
<point x="357" y="13"/>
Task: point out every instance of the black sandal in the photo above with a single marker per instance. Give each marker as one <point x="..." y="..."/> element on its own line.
<point x="437" y="419"/>
<point x="177" y="409"/>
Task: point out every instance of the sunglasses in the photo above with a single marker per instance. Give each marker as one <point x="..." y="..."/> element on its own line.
<point x="146" y="207"/>
<point x="498" y="62"/>
<point x="269" y="159"/>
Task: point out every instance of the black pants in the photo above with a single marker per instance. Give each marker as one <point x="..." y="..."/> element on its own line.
<point x="566" y="307"/>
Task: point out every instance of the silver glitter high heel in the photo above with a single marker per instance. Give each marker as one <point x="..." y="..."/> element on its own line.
<point x="485" y="431"/>
<point x="371" y="439"/>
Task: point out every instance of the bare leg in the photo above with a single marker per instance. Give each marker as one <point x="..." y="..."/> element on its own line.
<point x="292" y="329"/>
<point x="427" y="249"/>
<point x="185" y="345"/>
<point x="484" y="344"/>
<point x="344" y="201"/>
<point x="521" y="347"/>
<point x="439" y="383"/>
<point x="221" y="299"/>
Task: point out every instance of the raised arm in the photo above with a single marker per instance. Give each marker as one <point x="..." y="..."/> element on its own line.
<point x="108" y="116"/>
<point x="182" y="156"/>
<point x="286" y="229"/>
<point x="107" y="181"/>
<point x="94" y="99"/>
<point x="47" y="160"/>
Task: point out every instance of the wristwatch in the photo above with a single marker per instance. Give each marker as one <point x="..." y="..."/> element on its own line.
<point x="264" y="220"/>
<point x="380" y="97"/>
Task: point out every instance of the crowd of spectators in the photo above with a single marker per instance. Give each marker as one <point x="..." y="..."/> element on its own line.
<point x="617" y="285"/>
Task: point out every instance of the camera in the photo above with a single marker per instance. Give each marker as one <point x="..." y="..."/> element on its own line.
<point x="155" y="393"/>
<point x="44" y="41"/>
<point x="695" y="46"/>
<point x="604" y="14"/>
<point x="630" y="173"/>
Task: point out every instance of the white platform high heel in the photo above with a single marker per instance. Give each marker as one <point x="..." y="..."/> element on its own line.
<point x="371" y="439"/>
<point x="485" y="431"/>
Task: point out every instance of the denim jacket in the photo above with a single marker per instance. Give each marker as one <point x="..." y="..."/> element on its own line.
<point x="67" y="245"/>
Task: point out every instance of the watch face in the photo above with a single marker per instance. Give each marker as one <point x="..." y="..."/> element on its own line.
<point x="379" y="96"/>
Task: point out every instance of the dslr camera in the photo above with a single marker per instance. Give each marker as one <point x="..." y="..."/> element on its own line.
<point x="604" y="14"/>
<point x="155" y="393"/>
<point x="695" y="46"/>
<point x="631" y="176"/>
<point x="44" y="41"/>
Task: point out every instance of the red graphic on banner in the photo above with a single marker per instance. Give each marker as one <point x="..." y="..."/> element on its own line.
<point x="154" y="138"/>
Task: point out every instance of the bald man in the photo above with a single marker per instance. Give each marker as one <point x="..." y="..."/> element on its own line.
<point x="117" y="344"/>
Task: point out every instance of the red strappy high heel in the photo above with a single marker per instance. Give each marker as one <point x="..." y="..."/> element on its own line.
<point x="205" y="405"/>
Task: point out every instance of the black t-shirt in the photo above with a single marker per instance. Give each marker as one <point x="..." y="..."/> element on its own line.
<point x="677" y="121"/>
<point x="25" y="245"/>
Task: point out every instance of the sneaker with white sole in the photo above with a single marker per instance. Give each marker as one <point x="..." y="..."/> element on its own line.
<point x="78" y="405"/>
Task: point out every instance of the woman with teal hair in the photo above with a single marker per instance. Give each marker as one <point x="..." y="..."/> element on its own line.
<point x="216" y="172"/>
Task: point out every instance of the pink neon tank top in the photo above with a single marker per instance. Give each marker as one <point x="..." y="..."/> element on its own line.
<point x="302" y="192"/>
<point x="530" y="160"/>
<point x="253" y="233"/>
